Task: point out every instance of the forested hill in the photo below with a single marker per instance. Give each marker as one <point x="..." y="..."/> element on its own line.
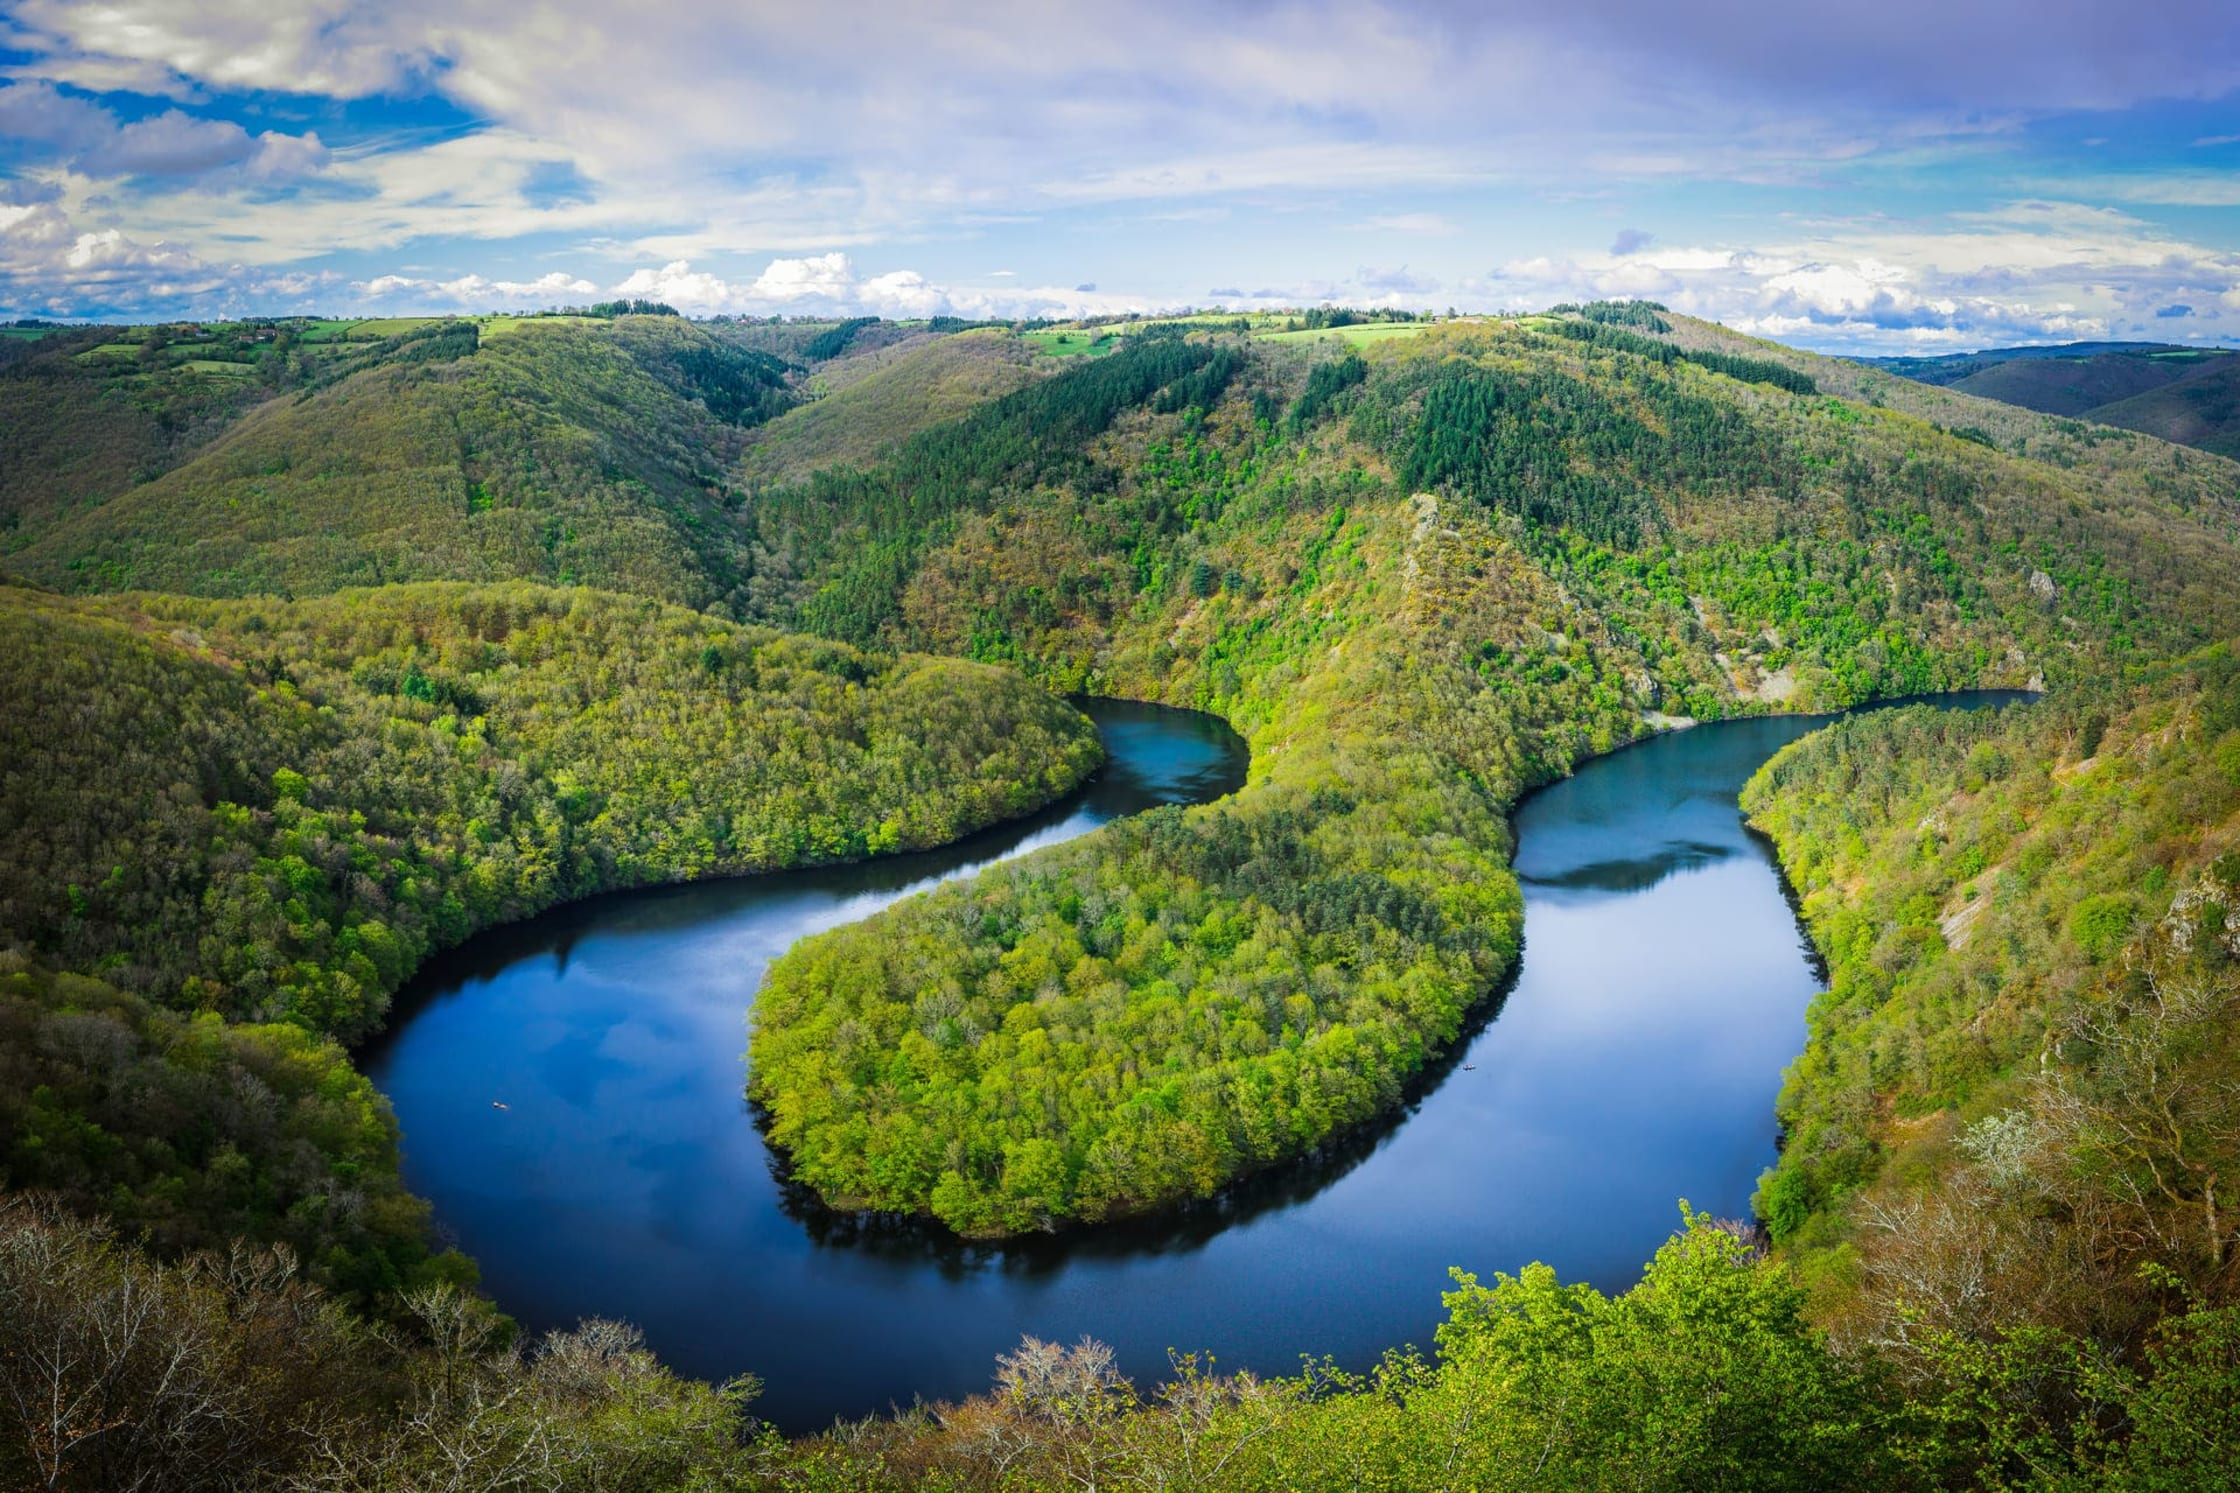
<point x="2015" y="1120"/>
<point x="306" y="457"/>
<point x="1423" y="572"/>
<point x="230" y="830"/>
<point x="2185" y="394"/>
<point x="568" y="452"/>
<point x="1426" y="565"/>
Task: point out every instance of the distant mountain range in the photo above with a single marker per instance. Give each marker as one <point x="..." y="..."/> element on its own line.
<point x="2190" y="395"/>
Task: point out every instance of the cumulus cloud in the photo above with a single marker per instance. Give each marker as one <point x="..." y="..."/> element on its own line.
<point x="49" y="264"/>
<point x="676" y="284"/>
<point x="682" y="135"/>
<point x="49" y="125"/>
<point x="905" y="293"/>
<point x="820" y="277"/>
<point x="475" y="293"/>
<point x="2030" y="271"/>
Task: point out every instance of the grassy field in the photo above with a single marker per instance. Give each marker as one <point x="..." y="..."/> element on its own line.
<point x="506" y="326"/>
<point x="388" y="326"/>
<point x="1066" y="344"/>
<point x="914" y="387"/>
<point x="1381" y="331"/>
<point x="29" y="334"/>
<point x="363" y="331"/>
<point x="214" y="365"/>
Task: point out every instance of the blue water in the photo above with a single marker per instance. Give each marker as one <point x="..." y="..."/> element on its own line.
<point x="1634" y="1062"/>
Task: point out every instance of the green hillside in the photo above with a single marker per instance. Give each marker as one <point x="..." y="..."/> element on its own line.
<point x="274" y="810"/>
<point x="2016" y="1108"/>
<point x="2202" y="409"/>
<point x="2181" y="394"/>
<point x="563" y="451"/>
<point x="891" y="395"/>
<point x="1420" y="579"/>
<point x="86" y="413"/>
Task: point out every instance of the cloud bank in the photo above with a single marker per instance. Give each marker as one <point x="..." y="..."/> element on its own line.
<point x="1831" y="174"/>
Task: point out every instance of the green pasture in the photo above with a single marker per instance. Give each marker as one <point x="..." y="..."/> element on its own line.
<point x="1379" y="331"/>
<point x="1067" y="344"/>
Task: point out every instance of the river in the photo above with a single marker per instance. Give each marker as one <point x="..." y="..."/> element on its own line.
<point x="1634" y="1062"/>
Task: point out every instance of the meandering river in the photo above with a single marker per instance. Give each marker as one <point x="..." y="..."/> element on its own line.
<point x="1634" y="1062"/>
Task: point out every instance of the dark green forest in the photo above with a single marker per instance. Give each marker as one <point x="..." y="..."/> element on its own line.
<point x="409" y="629"/>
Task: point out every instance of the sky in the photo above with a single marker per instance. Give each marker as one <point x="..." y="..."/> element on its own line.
<point x="1908" y="175"/>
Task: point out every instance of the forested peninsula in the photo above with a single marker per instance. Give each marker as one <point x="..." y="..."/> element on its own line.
<point x="411" y="628"/>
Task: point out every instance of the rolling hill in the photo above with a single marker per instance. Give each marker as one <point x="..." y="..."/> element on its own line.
<point x="561" y="451"/>
<point x="2189" y="395"/>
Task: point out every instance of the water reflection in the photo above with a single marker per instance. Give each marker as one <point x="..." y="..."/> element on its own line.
<point x="1635" y="875"/>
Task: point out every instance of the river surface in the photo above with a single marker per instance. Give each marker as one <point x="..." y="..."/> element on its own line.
<point x="1634" y="1062"/>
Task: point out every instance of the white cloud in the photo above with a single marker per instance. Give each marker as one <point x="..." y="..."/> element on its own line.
<point x="719" y="136"/>
<point x="1430" y="225"/>
<point x="280" y="156"/>
<point x="88" y="139"/>
<point x="676" y="284"/>
<point x="904" y="293"/>
<point x="819" y="277"/>
<point x="829" y="283"/>
<point x="2027" y="271"/>
<point x="47" y="263"/>
<point x="474" y="293"/>
<point x="288" y="46"/>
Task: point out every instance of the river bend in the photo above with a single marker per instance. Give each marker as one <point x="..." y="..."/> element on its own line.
<point x="1635" y="1061"/>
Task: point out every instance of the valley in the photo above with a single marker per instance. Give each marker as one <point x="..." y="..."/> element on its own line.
<point x="358" y="673"/>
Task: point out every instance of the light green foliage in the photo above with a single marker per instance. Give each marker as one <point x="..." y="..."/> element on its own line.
<point x="1353" y="336"/>
<point x="2024" y="916"/>
<point x="1186" y="996"/>
<point x="1704" y="1375"/>
<point x="276" y="810"/>
<point x="1070" y="344"/>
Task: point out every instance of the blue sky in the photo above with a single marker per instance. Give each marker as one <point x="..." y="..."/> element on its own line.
<point x="1910" y="175"/>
